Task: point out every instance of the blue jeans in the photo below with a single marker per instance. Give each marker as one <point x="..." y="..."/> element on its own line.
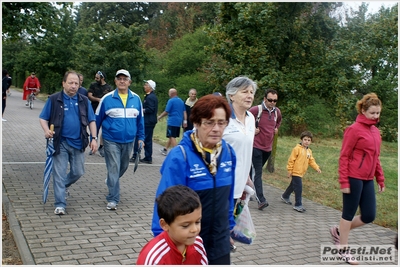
<point x="148" y="144"/>
<point x="117" y="162"/>
<point x="61" y="179"/>
<point x="295" y="185"/>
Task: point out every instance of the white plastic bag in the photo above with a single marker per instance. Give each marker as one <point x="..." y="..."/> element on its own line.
<point x="244" y="230"/>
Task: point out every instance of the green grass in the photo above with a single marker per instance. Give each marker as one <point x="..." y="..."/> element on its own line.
<point x="160" y="131"/>
<point x="324" y="188"/>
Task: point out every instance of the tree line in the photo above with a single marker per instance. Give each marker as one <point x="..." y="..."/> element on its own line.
<point x="319" y="60"/>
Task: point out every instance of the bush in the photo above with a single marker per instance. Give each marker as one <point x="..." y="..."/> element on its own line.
<point x="320" y="120"/>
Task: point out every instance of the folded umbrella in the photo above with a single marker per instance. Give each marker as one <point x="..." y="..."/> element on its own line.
<point x="137" y="157"/>
<point x="48" y="166"/>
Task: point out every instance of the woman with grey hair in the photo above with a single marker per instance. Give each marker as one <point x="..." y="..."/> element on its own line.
<point x="241" y="128"/>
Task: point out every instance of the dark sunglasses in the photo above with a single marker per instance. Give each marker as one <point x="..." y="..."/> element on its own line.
<point x="101" y="74"/>
<point x="272" y="100"/>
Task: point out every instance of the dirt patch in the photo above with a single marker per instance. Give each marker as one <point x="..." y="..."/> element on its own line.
<point x="10" y="251"/>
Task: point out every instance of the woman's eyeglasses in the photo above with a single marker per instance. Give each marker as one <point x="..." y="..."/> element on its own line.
<point x="272" y="100"/>
<point x="211" y="124"/>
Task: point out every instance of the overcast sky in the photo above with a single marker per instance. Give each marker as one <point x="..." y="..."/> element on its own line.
<point x="373" y="6"/>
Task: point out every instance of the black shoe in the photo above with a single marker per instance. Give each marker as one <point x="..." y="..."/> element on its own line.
<point x="263" y="205"/>
<point x="145" y="161"/>
<point x="132" y="159"/>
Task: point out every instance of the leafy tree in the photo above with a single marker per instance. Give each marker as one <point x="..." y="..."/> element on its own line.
<point x="123" y="13"/>
<point x="187" y="55"/>
<point x="372" y="45"/>
<point x="181" y="67"/>
<point x="109" y="48"/>
<point x="280" y="45"/>
<point x="301" y="50"/>
<point x="177" y="19"/>
<point x="21" y="19"/>
<point x="48" y="54"/>
<point x="10" y="53"/>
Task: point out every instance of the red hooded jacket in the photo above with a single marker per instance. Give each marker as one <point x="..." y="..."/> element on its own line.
<point x="30" y="83"/>
<point x="359" y="157"/>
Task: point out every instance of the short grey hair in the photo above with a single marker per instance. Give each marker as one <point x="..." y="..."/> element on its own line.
<point x="237" y="84"/>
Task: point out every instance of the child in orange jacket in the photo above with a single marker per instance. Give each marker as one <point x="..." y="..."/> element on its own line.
<point x="297" y="166"/>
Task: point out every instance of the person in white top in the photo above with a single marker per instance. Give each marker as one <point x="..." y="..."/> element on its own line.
<point x="241" y="128"/>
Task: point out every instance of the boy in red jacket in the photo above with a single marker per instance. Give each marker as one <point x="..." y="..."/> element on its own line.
<point x="179" y="209"/>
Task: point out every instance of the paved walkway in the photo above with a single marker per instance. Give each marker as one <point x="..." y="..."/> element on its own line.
<point x="91" y="234"/>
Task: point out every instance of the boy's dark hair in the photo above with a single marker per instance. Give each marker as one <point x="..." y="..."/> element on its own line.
<point x="306" y="133"/>
<point x="175" y="201"/>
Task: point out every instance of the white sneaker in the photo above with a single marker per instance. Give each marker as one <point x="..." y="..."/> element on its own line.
<point x="347" y="257"/>
<point x="3" y="119"/>
<point x="27" y="104"/>
<point x="112" y="205"/>
<point x="59" y="211"/>
<point x="163" y="151"/>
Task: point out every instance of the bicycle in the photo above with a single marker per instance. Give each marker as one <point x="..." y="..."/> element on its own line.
<point x="31" y="97"/>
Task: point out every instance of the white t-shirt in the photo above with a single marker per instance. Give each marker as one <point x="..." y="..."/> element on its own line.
<point x="241" y="138"/>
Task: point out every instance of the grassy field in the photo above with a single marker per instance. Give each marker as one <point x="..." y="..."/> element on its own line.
<point x="324" y="188"/>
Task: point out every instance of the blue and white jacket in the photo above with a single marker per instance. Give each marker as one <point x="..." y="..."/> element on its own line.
<point x="215" y="192"/>
<point x="120" y="124"/>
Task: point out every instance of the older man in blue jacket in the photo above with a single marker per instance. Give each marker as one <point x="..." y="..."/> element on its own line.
<point x="120" y="113"/>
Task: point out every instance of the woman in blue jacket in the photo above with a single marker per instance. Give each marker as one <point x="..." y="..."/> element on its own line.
<point x="205" y="163"/>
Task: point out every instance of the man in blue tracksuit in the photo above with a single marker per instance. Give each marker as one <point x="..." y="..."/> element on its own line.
<point x="120" y="114"/>
<point x="215" y="192"/>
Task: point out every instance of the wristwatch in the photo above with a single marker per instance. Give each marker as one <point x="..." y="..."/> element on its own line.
<point x="95" y="138"/>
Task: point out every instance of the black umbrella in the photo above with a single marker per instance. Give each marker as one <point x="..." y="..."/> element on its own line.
<point x="137" y="157"/>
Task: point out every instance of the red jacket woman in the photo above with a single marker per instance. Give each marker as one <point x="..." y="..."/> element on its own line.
<point x="358" y="165"/>
<point x="359" y="157"/>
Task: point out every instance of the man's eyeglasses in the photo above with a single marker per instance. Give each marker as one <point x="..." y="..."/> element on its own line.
<point x="272" y="100"/>
<point x="125" y="79"/>
<point x="211" y="124"/>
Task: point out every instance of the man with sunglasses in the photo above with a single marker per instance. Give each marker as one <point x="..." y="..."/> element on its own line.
<point x="96" y="91"/>
<point x="268" y="119"/>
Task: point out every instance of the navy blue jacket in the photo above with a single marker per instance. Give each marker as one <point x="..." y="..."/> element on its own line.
<point x="150" y="109"/>
<point x="57" y="118"/>
<point x="215" y="192"/>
